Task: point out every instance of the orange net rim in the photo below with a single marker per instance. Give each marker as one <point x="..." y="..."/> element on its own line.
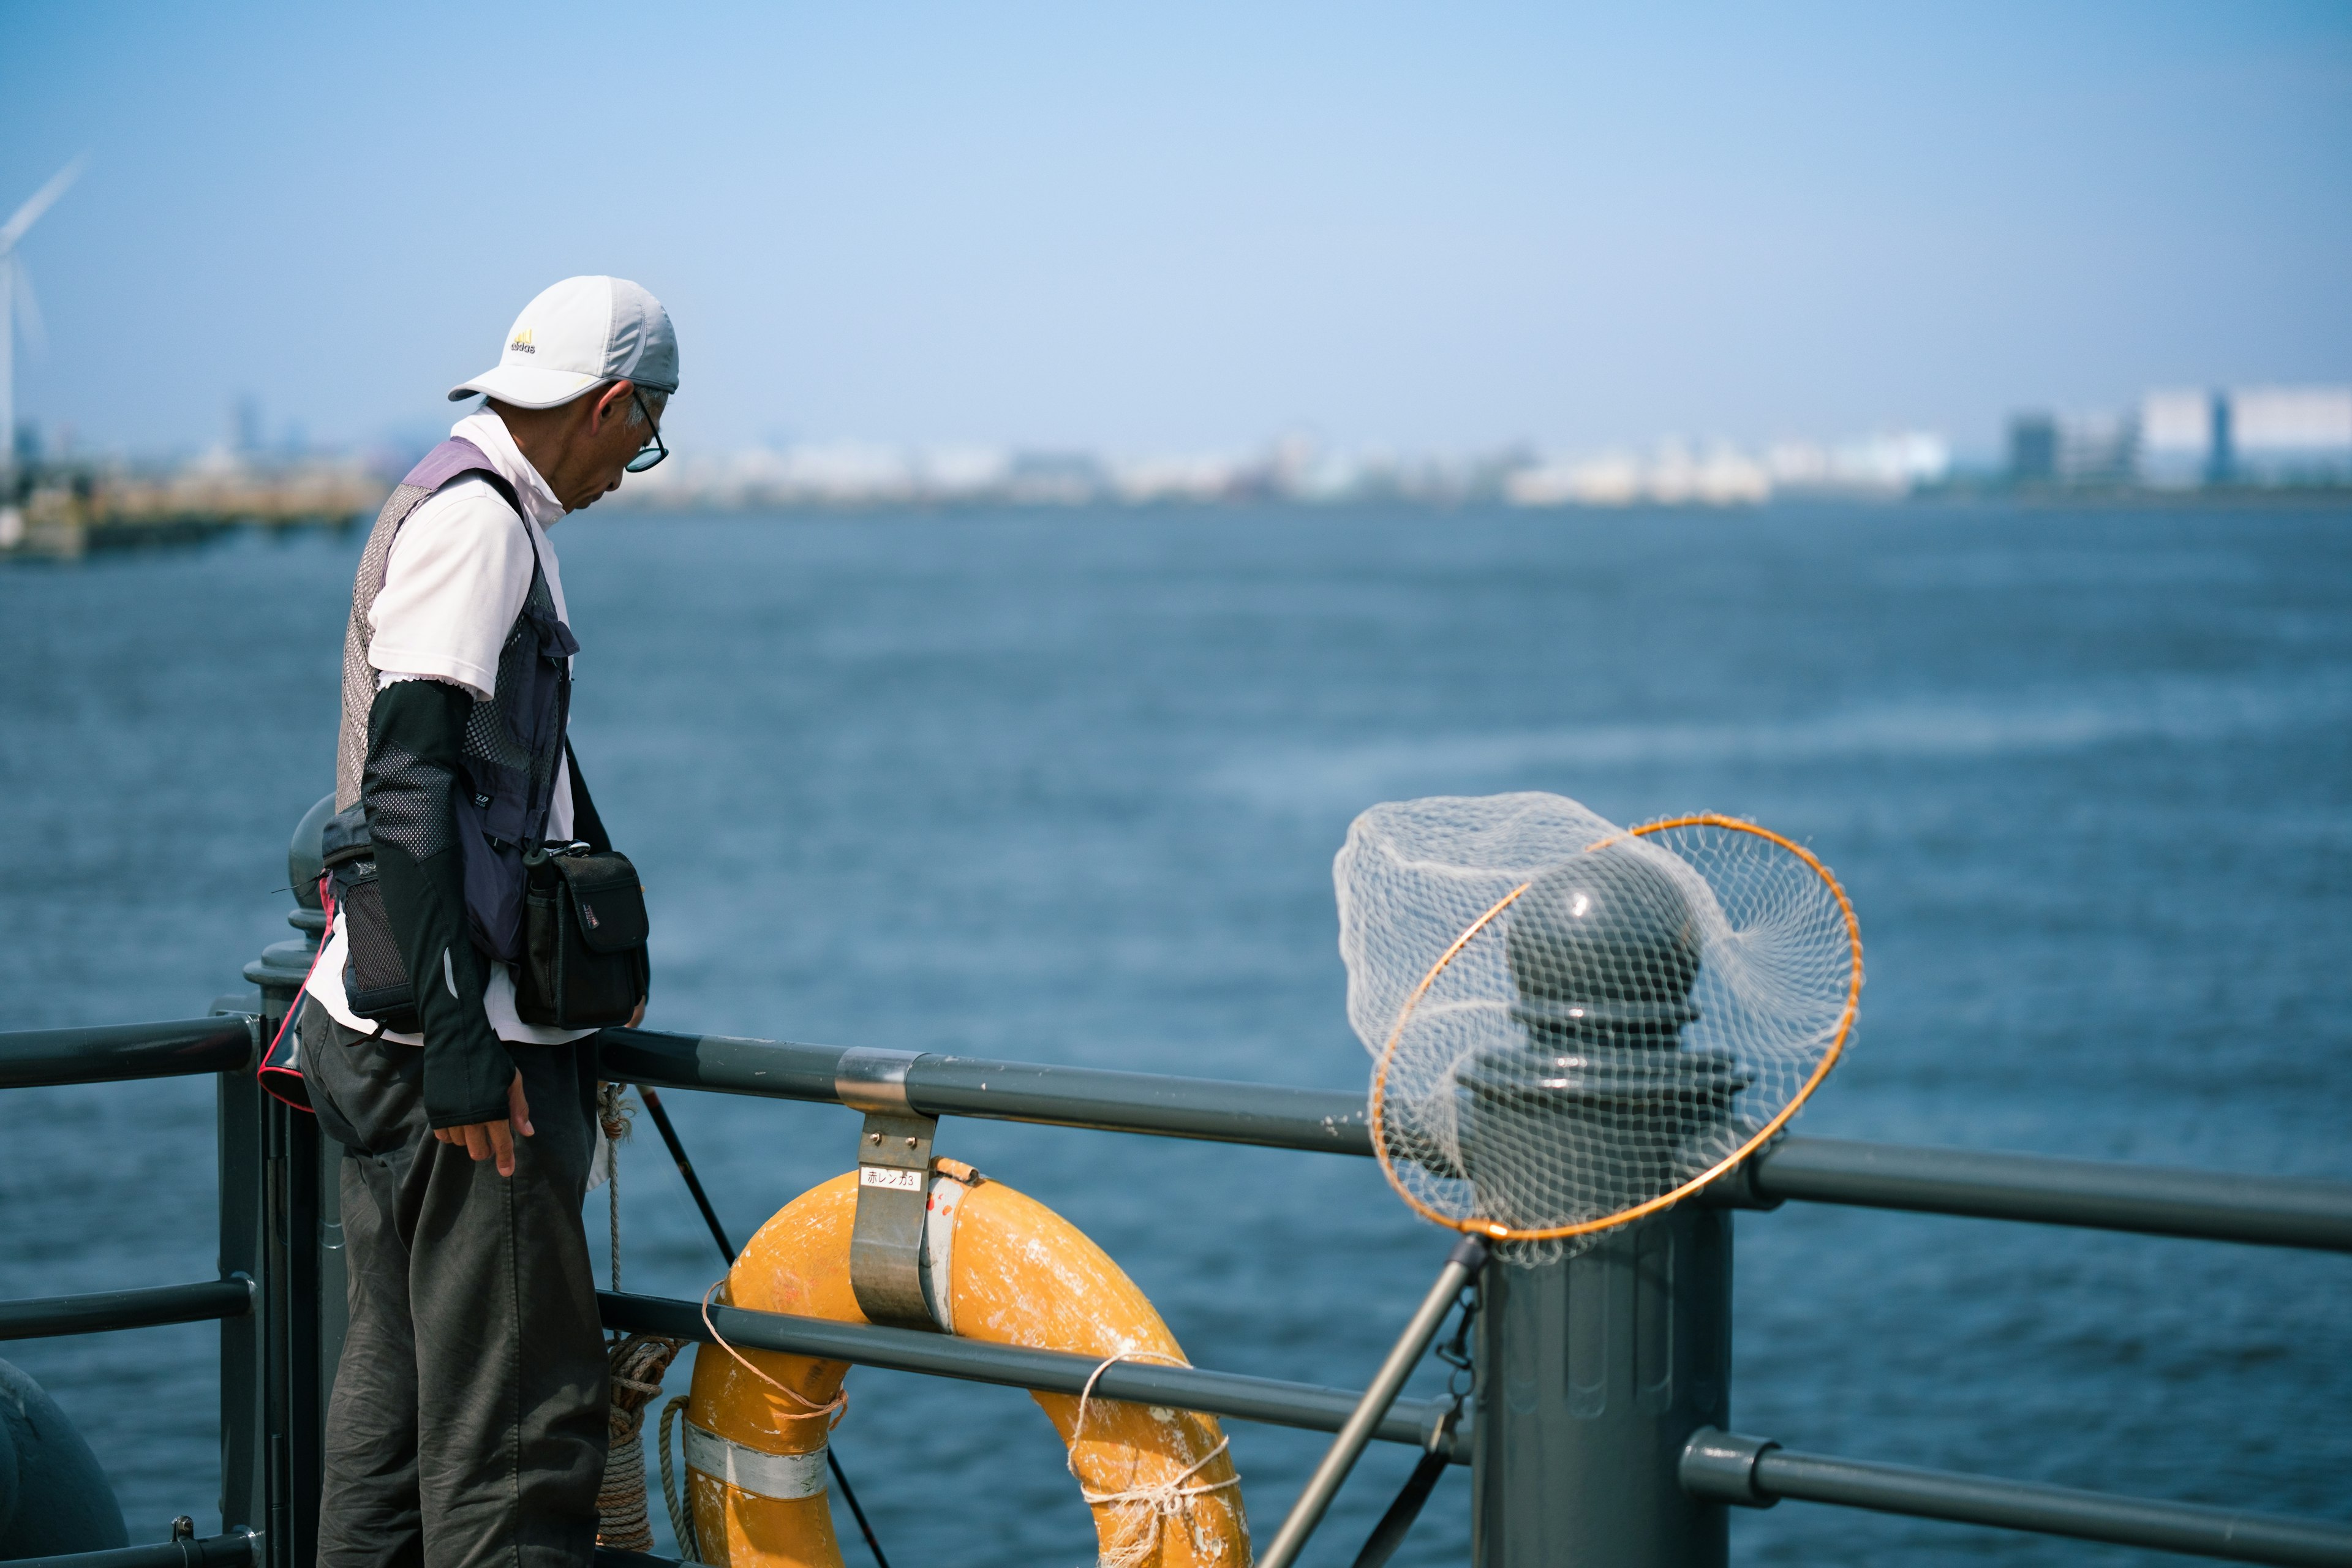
<point x="1494" y="1230"/>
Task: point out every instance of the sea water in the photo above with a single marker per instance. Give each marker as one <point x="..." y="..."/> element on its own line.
<point x="1065" y="786"/>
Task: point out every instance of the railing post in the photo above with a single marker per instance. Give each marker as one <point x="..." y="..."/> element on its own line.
<point x="301" y="1321"/>
<point x="1591" y="1375"/>
<point x="244" y="1448"/>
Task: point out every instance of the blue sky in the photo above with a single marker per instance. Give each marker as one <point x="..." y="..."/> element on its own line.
<point x="1159" y="227"/>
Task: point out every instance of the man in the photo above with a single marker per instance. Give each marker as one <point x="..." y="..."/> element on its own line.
<point x="468" y="1420"/>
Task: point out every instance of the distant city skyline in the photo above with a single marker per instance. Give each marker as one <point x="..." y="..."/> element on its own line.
<point x="1404" y="229"/>
<point x="2220" y="445"/>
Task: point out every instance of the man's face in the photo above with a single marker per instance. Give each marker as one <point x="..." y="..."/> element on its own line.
<point x="605" y="439"/>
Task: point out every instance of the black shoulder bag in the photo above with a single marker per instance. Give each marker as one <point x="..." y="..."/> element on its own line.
<point x="584" y="964"/>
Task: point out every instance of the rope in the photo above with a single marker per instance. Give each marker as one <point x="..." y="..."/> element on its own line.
<point x="809" y="1409"/>
<point x="613" y="1112"/>
<point x="681" y="1520"/>
<point x="637" y="1365"/>
<point x="1151" y="1506"/>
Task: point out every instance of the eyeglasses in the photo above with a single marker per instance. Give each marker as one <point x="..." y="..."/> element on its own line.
<point x="653" y="451"/>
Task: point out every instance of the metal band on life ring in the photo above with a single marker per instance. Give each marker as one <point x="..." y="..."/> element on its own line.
<point x="784" y="1475"/>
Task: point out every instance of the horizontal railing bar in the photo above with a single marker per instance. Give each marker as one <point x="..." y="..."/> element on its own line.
<point x="237" y="1549"/>
<point x="1244" y="1398"/>
<point x="1753" y="1472"/>
<point x="1271" y="1115"/>
<point x="2154" y="1200"/>
<point x="32" y="1058"/>
<point x="1318" y="1120"/>
<point x="38" y="1317"/>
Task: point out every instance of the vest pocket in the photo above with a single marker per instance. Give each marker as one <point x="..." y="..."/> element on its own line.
<point x="375" y="981"/>
<point x="375" y="977"/>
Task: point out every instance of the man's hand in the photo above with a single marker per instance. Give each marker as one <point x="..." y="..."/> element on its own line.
<point x="484" y="1139"/>
<point x="638" y="1016"/>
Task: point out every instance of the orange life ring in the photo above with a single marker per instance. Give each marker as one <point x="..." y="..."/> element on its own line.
<point x="1161" y="1482"/>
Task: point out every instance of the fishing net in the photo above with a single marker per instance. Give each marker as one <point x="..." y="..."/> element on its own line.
<point x="1575" y="1025"/>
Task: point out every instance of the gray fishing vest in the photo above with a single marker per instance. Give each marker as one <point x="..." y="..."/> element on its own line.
<point x="513" y="742"/>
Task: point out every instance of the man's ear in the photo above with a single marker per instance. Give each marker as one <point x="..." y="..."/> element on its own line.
<point x="609" y="400"/>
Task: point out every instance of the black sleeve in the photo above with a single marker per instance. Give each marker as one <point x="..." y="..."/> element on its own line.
<point x="586" y="826"/>
<point x="414" y="731"/>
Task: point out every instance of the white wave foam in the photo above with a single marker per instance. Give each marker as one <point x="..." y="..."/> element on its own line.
<point x="2181" y="712"/>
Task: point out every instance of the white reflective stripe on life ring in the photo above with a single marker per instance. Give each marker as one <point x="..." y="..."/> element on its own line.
<point x="940" y="1207"/>
<point x="750" y="1470"/>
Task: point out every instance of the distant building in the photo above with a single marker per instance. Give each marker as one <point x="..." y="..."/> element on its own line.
<point x="1054" y="479"/>
<point x="2033" y="449"/>
<point x="2260" y="436"/>
<point x="2085" y="451"/>
<point x="2184" y="438"/>
<point x="2291" y="434"/>
<point x="245" y="425"/>
<point x="2221" y="449"/>
<point x="1876" y="466"/>
<point x="2098" y="449"/>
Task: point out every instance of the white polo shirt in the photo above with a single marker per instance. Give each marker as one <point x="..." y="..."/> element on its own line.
<point x="454" y="582"/>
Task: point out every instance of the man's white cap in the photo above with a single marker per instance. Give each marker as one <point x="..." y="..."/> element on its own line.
<point x="582" y="333"/>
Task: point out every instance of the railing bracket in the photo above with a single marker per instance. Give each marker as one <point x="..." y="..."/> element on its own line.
<point x="1721" y="1467"/>
<point x="888" y="1267"/>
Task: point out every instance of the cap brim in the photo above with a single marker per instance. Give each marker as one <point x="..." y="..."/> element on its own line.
<point x="524" y="387"/>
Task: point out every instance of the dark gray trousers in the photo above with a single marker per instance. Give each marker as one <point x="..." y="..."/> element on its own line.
<point x="467" y="1424"/>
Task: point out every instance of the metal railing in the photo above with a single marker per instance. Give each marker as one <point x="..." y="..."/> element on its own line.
<point x="122" y="1052"/>
<point x="101" y="1311"/>
<point x="1245" y="1398"/>
<point x="1750" y="1472"/>
<point x="1624" y="1460"/>
<point x="279" y="1333"/>
<point x="2276" y="1211"/>
<point x="230" y="1549"/>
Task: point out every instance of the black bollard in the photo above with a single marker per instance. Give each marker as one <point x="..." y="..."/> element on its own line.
<point x="54" y="1498"/>
<point x="1592" y="1372"/>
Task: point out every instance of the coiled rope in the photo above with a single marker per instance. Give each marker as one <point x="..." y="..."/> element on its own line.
<point x="637" y="1364"/>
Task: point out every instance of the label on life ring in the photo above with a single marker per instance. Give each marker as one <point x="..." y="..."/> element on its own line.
<point x="888" y="1176"/>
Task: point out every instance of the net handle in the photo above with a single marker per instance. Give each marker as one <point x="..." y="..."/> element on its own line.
<point x="1496" y="1229"/>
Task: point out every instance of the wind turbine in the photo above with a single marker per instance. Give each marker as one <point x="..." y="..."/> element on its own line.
<point x="16" y="299"/>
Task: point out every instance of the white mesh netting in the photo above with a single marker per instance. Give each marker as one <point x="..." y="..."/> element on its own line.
<point x="1573" y="1023"/>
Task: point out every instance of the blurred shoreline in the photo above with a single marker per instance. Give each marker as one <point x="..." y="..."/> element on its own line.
<point x="67" y="507"/>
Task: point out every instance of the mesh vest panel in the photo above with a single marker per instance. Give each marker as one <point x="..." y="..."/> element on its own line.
<point x="491" y="727"/>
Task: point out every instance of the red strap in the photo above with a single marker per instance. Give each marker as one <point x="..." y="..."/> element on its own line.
<point x="326" y="903"/>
